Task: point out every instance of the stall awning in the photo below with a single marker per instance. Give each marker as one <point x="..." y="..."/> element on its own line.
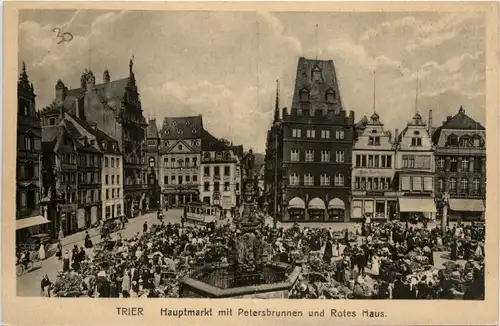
<point x="31" y="221"/>
<point x="423" y="205"/>
<point x="296" y="202"/>
<point x="336" y="203"/>
<point x="467" y="205"/>
<point x="316" y="203"/>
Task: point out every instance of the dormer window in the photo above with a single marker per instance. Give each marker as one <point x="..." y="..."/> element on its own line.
<point x="206" y="156"/>
<point x="476" y="141"/>
<point x="114" y="147"/>
<point x="330" y="96"/>
<point x="166" y="143"/>
<point x="104" y="145"/>
<point x="316" y="73"/>
<point x="452" y="140"/>
<point x="180" y="132"/>
<point x="193" y="131"/>
<point x="52" y="121"/>
<point x="304" y="95"/>
<point x="218" y="156"/>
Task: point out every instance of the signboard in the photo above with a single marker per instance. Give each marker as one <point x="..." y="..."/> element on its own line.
<point x="380" y="173"/>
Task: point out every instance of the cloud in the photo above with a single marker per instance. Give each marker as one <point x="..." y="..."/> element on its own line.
<point x="220" y="65"/>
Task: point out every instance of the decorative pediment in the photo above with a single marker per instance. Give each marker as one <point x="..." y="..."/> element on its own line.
<point x="180" y="146"/>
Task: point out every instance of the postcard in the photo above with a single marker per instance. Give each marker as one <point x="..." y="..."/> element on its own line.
<point x="253" y="163"/>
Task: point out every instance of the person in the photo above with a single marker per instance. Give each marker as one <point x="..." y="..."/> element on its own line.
<point x="66" y="261"/>
<point x="453" y="253"/>
<point x="145" y="227"/>
<point x="88" y="245"/>
<point x="59" y="250"/>
<point x="182" y="221"/>
<point x="45" y="285"/>
<point x="375" y="265"/>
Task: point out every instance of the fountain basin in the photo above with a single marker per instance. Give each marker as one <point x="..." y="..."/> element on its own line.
<point x="275" y="280"/>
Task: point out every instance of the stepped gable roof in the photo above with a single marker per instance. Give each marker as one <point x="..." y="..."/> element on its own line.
<point x="304" y="81"/>
<point x="152" y="130"/>
<point x="182" y="127"/>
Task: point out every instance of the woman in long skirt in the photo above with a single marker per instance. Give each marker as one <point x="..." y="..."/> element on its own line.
<point x="66" y="261"/>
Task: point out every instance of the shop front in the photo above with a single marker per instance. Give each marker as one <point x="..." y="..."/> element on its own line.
<point x="180" y="196"/>
<point x="413" y="208"/>
<point x="336" y="209"/>
<point x="374" y="207"/>
<point x="316" y="209"/>
<point x="30" y="226"/>
<point x="296" y="209"/>
<point x="466" y="209"/>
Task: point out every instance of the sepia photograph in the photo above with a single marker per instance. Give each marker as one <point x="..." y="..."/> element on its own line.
<point x="252" y="154"/>
<point x="151" y="165"/>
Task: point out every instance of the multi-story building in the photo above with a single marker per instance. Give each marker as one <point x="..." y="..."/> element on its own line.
<point x="153" y="159"/>
<point x="415" y="170"/>
<point x="180" y="156"/>
<point x="115" y="107"/>
<point x="60" y="171"/>
<point x="220" y="173"/>
<point x="112" y="171"/>
<point x="373" y="172"/>
<point x="29" y="150"/>
<point x="317" y="139"/>
<point x="461" y="165"/>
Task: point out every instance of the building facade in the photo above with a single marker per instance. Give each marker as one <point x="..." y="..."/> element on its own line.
<point x="373" y="171"/>
<point x="415" y="170"/>
<point x="115" y="107"/>
<point x="60" y="171"/>
<point x="180" y="156"/>
<point x="153" y="159"/>
<point x="220" y="173"/>
<point x="29" y="218"/>
<point x="317" y="137"/>
<point x="460" y="159"/>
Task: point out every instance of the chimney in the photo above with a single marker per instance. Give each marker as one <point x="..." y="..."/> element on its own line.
<point x="429" y="124"/>
<point x="285" y="113"/>
<point x="61" y="91"/>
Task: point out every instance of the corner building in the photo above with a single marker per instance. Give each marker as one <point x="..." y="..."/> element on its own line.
<point x="318" y="136"/>
<point x="461" y="166"/>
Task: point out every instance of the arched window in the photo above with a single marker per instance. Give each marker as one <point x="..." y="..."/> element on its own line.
<point x="452" y="140"/>
<point x="206" y="156"/>
<point x="339" y="179"/>
<point x="218" y="156"/>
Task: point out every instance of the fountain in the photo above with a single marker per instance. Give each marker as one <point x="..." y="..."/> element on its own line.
<point x="247" y="274"/>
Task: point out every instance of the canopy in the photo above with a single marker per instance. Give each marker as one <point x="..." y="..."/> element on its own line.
<point x="31" y="221"/>
<point x="426" y="205"/>
<point x="296" y="202"/>
<point x="467" y="205"/>
<point x="316" y="203"/>
<point x="336" y="203"/>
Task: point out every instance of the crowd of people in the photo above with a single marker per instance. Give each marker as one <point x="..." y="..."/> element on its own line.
<point x="393" y="260"/>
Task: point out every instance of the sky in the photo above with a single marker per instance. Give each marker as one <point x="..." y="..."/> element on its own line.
<point x="224" y="65"/>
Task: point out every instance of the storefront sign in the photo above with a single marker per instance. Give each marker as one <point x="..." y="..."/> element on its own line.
<point x="380" y="173"/>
